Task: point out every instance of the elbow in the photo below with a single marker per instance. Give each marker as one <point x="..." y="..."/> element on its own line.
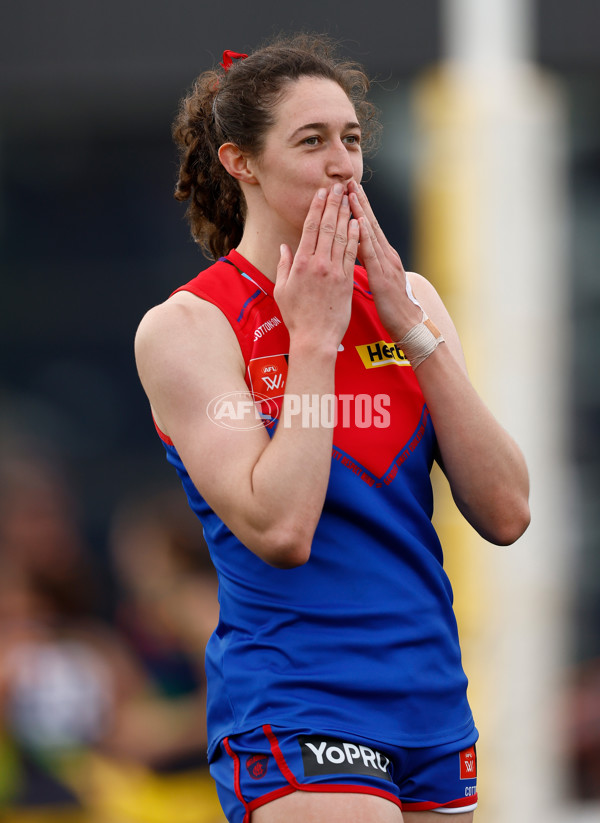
<point x="284" y="548"/>
<point x="510" y="524"/>
<point x="287" y="555"/>
<point x="501" y="519"/>
<point x="283" y="542"/>
<point x="288" y="559"/>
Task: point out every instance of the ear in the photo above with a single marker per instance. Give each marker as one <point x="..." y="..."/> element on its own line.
<point x="236" y="163"/>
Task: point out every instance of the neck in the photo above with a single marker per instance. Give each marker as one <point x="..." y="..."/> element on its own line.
<point x="265" y="260"/>
<point x="261" y="242"/>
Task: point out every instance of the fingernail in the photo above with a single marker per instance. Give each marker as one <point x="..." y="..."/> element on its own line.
<point x="322" y="194"/>
<point x="338" y="188"/>
<point x="345" y="200"/>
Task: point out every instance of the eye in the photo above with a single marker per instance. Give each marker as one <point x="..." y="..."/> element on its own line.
<point x="352" y="139"/>
<point x="312" y="141"/>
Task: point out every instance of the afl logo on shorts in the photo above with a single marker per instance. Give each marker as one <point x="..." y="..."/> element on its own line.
<point x="257" y="765"/>
<point x="468" y="764"/>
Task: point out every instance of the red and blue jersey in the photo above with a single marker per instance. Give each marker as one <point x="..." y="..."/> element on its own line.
<point x="362" y="639"/>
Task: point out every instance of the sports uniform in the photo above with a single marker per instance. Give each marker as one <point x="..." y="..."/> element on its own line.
<point x="359" y="646"/>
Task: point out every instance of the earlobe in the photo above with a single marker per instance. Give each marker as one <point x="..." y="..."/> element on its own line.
<point x="236" y="163"/>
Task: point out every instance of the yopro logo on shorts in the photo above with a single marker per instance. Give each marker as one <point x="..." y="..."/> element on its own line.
<point x="328" y="755"/>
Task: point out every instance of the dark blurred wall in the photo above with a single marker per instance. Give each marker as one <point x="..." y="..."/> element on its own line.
<point x="568" y="34"/>
<point x="90" y="236"/>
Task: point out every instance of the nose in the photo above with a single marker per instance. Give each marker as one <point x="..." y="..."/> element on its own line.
<point x="340" y="165"/>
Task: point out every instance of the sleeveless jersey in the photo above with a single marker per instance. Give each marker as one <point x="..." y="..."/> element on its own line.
<point x="362" y="639"/>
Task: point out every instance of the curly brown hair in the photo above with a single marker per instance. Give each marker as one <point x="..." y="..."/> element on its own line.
<point x="237" y="106"/>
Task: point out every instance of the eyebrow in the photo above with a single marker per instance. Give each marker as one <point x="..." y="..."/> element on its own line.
<point x="323" y="127"/>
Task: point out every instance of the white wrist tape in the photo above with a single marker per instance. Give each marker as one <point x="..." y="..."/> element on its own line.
<point x="420" y="342"/>
<point x="422" y="339"/>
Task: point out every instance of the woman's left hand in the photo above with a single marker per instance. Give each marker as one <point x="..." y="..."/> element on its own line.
<point x="485" y="467"/>
<point x="387" y="277"/>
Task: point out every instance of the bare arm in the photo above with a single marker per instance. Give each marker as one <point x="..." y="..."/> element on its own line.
<point x="484" y="466"/>
<point x="269" y="492"/>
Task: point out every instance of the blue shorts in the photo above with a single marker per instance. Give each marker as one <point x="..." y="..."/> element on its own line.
<point x="255" y="767"/>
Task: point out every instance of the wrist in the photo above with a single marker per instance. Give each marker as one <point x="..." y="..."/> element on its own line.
<point x="420" y="341"/>
<point x="314" y="349"/>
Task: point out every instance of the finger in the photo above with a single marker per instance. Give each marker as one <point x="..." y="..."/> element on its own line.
<point x="312" y="223"/>
<point x="340" y="238"/>
<point x="329" y="221"/>
<point x="386" y="252"/>
<point x="368" y="251"/>
<point x="284" y="266"/>
<point x="362" y="207"/>
<point x="359" y="193"/>
<point x="370" y="245"/>
<point x="351" y="250"/>
<point x="355" y="204"/>
<point x="366" y="227"/>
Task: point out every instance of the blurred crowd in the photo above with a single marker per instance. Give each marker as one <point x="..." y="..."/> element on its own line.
<point x="102" y="704"/>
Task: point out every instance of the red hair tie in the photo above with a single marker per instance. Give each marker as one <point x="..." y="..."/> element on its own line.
<point x="230" y="56"/>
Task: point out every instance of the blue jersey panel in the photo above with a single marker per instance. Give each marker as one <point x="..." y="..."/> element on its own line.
<point x="362" y="639"/>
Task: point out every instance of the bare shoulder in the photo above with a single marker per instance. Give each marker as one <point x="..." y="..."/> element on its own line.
<point x="424" y="290"/>
<point x="183" y="329"/>
<point x="182" y="320"/>
<point x="427" y="295"/>
<point x="183" y="348"/>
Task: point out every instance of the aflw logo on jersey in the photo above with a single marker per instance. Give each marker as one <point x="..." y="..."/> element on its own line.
<point x="328" y="755"/>
<point x="268" y="374"/>
<point x="381" y="353"/>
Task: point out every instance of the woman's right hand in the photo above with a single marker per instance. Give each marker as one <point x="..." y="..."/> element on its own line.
<point x="314" y="287"/>
<point x="188" y="355"/>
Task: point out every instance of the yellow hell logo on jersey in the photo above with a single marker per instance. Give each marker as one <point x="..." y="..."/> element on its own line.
<point x="381" y="353"/>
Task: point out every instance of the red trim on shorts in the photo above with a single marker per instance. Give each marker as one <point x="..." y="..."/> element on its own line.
<point x="348" y="788"/>
<point x="164" y="437"/>
<point x="280" y="759"/>
<point x="267" y="798"/>
<point x="236" y="779"/>
<point x="453" y="804"/>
